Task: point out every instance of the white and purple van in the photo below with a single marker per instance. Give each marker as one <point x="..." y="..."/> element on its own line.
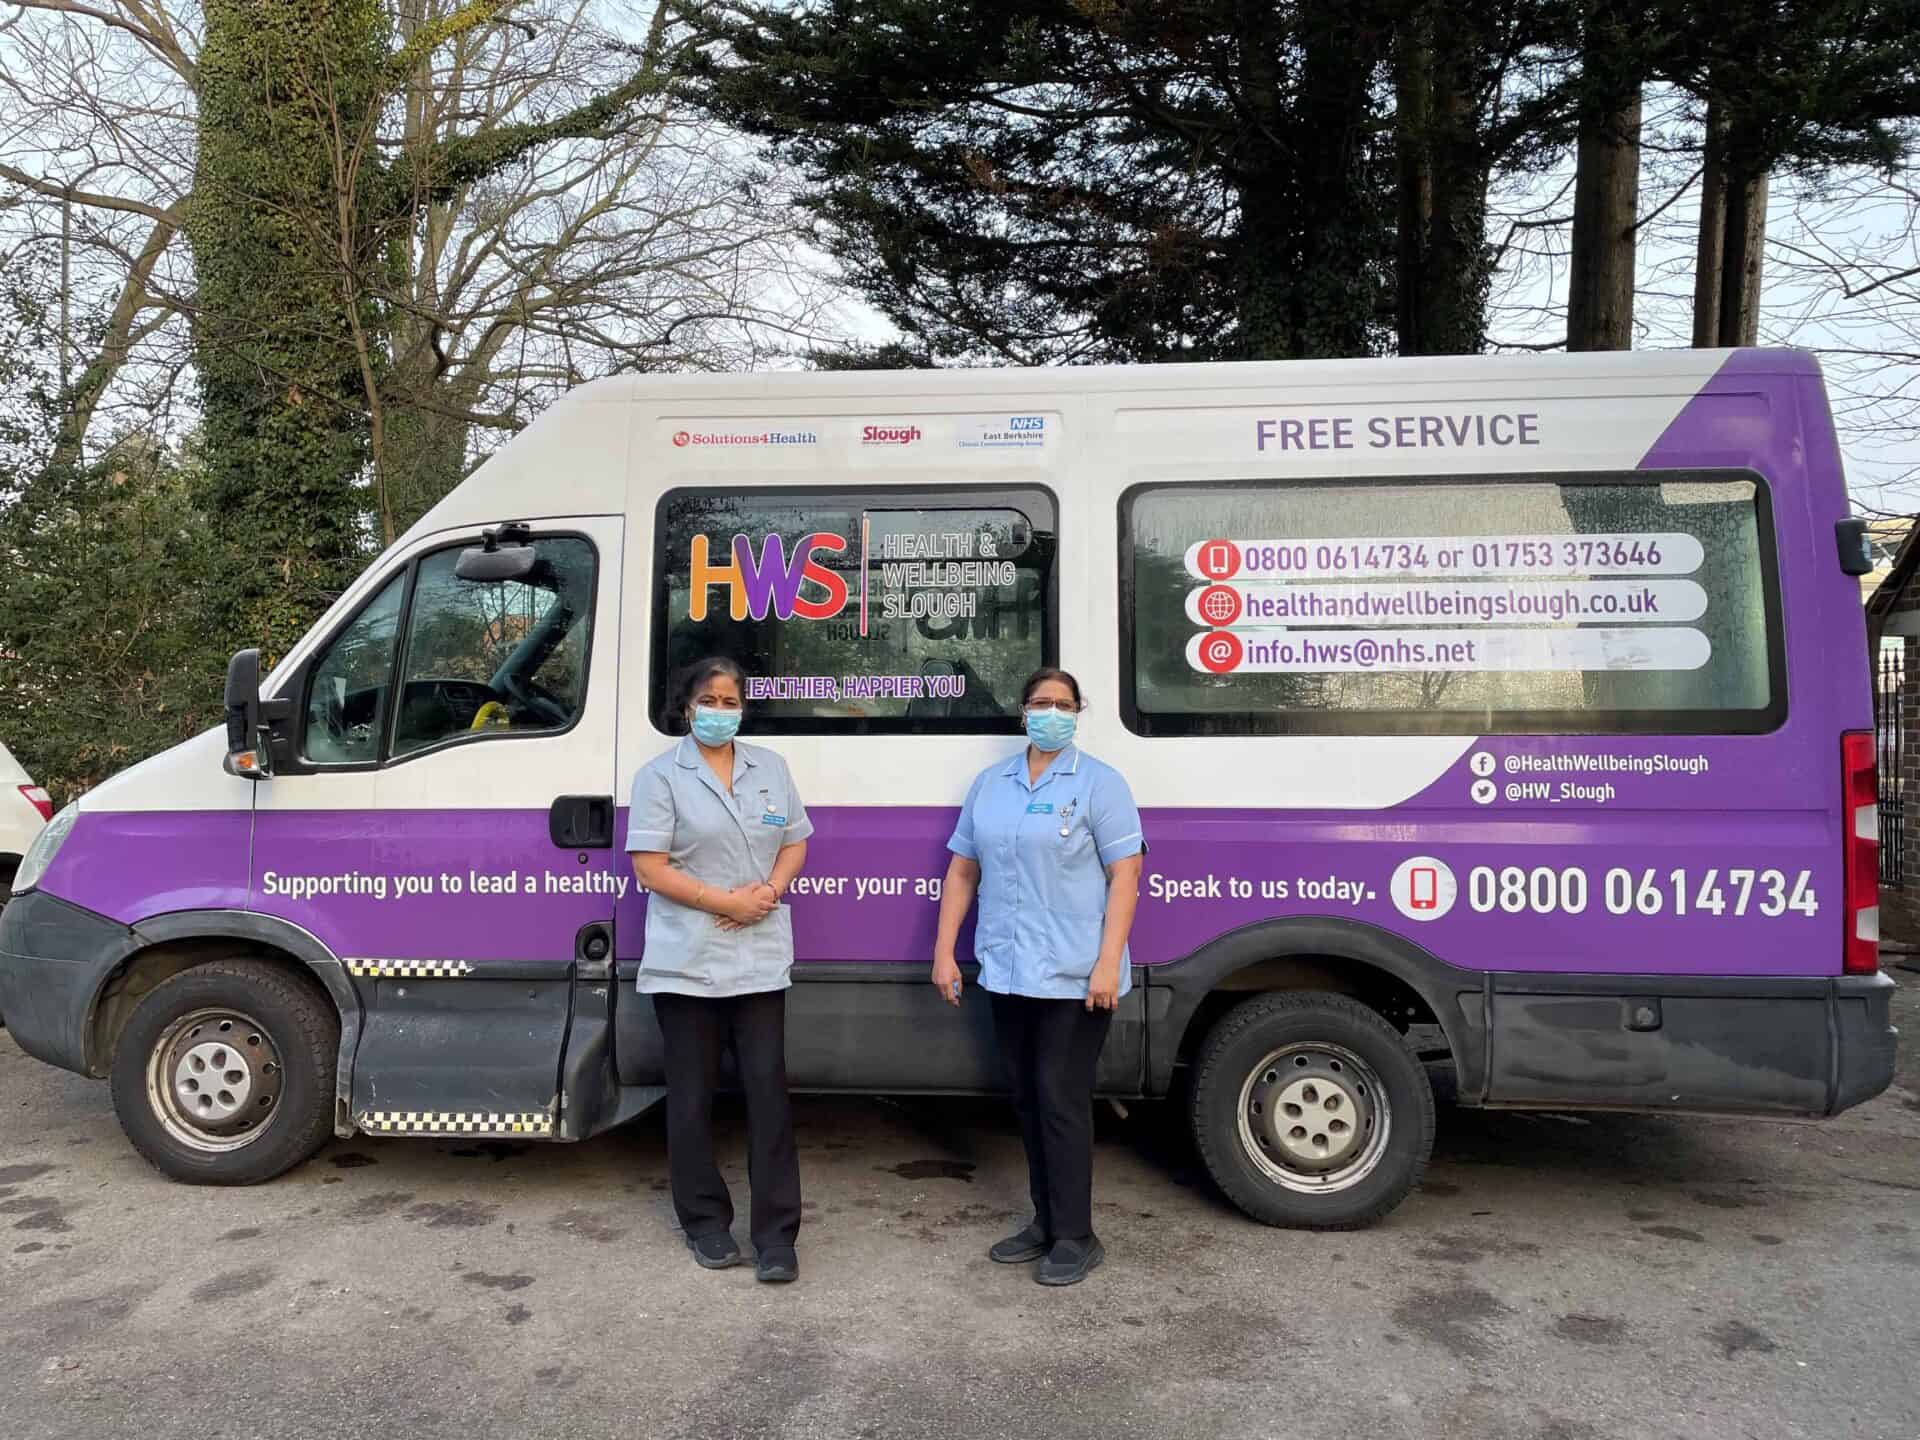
<point x="1510" y="715"/>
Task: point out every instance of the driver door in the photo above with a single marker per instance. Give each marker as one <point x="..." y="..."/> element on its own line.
<point x="447" y="738"/>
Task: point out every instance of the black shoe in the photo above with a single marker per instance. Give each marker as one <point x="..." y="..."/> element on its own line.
<point x="1030" y="1244"/>
<point x="777" y="1265"/>
<point x="714" y="1252"/>
<point x="1068" y="1263"/>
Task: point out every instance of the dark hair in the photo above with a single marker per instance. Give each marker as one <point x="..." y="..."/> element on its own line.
<point x="701" y="671"/>
<point x="1039" y="678"/>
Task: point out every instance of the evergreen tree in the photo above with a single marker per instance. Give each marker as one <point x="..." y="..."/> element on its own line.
<point x="1065" y="180"/>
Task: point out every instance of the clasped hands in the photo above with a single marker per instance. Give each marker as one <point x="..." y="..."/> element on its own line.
<point x="748" y="905"/>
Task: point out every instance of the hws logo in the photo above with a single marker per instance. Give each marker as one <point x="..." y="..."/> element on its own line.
<point x="768" y="581"/>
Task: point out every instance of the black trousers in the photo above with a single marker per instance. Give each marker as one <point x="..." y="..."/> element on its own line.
<point x="697" y="1031"/>
<point x="1050" y="1048"/>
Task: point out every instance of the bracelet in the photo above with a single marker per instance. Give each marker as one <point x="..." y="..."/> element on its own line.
<point x="696" y="896"/>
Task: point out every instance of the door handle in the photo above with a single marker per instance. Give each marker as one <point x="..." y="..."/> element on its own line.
<point x="581" y="822"/>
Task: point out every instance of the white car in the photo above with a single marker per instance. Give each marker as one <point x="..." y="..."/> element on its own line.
<point x="24" y="811"/>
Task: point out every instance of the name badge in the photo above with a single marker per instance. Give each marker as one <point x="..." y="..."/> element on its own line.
<point x="772" y="819"/>
<point x="1040" y="807"/>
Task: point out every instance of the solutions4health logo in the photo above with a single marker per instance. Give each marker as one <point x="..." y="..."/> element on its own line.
<point x="747" y="438"/>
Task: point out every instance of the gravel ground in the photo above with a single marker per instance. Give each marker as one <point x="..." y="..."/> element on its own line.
<point x="1557" y="1278"/>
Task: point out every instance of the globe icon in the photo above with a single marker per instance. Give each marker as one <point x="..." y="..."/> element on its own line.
<point x="1218" y="605"/>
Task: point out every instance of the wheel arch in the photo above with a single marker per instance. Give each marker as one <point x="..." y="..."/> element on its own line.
<point x="1347" y="957"/>
<point x="167" y="945"/>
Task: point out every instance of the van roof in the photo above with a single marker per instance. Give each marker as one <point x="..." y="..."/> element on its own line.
<point x="1232" y="374"/>
<point x="574" y="459"/>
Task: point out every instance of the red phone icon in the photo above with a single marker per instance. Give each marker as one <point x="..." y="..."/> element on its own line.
<point x="1425" y="882"/>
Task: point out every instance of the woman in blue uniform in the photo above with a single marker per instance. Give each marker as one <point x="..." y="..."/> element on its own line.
<point x="717" y="834"/>
<point x="1051" y="842"/>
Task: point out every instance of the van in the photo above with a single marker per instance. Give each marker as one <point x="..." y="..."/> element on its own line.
<point x="1506" y="716"/>
<point x="24" y="809"/>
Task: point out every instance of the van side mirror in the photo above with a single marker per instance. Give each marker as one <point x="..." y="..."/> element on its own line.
<point x="503" y="554"/>
<point x="248" y="755"/>
<point x="1856" y="546"/>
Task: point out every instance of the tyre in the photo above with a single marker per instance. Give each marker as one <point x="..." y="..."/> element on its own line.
<point x="1310" y="1111"/>
<point x="224" y="1073"/>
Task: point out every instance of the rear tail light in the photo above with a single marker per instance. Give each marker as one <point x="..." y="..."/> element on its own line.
<point x="1860" y="779"/>
<point x="37" y="798"/>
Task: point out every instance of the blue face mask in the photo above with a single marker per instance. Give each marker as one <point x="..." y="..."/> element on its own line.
<point x="1051" y="730"/>
<point x="714" y="727"/>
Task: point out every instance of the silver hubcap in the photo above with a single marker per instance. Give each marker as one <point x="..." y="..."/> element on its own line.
<point x="214" y="1078"/>
<point x="1314" y="1117"/>
<point x="213" y="1081"/>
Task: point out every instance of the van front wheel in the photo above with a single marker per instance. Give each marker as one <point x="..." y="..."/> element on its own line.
<point x="1310" y="1111"/>
<point x="224" y="1073"/>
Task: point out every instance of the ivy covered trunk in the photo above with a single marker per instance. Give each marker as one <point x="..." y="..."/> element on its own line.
<point x="286" y="87"/>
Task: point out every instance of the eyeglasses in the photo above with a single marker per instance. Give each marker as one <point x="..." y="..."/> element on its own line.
<point x="1040" y="707"/>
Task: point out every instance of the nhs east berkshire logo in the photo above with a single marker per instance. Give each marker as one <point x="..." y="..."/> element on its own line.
<point x="1002" y="432"/>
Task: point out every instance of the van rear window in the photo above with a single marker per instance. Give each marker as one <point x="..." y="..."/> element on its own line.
<point x="873" y="609"/>
<point x="1641" y="602"/>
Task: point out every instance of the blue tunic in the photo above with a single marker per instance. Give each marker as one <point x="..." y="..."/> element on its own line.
<point x="1043" y="895"/>
<point x="726" y="841"/>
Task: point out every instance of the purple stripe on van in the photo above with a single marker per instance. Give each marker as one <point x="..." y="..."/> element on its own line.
<point x="481" y="885"/>
<point x="1648" y="892"/>
<point x="1212" y="871"/>
<point x="130" y="864"/>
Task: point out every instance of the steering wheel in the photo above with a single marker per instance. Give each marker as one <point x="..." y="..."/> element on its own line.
<point x="528" y="696"/>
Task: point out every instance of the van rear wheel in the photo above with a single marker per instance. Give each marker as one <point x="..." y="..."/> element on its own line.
<point x="1310" y="1111"/>
<point x="224" y="1074"/>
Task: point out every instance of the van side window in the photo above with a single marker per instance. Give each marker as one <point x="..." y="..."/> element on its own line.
<point x="872" y="609"/>
<point x="496" y="658"/>
<point x="346" y="699"/>
<point x="1636" y="602"/>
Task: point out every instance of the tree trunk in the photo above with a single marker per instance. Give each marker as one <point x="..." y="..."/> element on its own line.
<point x="1413" y="102"/>
<point x="1733" y="235"/>
<point x="280" y="384"/>
<point x="1312" y="258"/>
<point x="1710" y="253"/>
<point x="1741" y="254"/>
<point x="1445" y="265"/>
<point x="1606" y="202"/>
